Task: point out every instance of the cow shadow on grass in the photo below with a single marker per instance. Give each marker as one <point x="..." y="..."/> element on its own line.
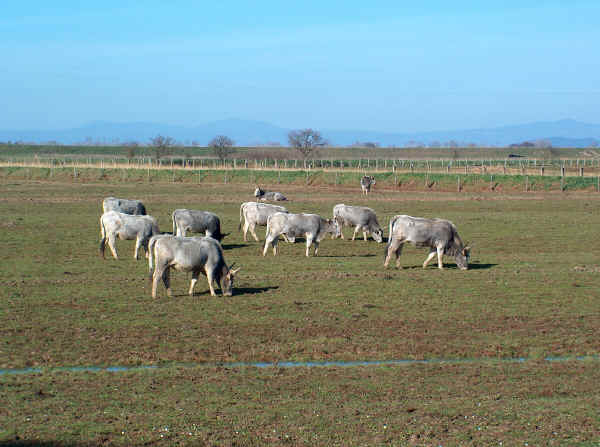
<point x="233" y="246"/>
<point x="236" y="291"/>
<point x="369" y="255"/>
<point x="252" y="290"/>
<point x="481" y="266"/>
<point x="475" y="266"/>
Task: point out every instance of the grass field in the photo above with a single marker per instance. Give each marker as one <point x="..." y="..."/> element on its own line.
<point x="532" y="292"/>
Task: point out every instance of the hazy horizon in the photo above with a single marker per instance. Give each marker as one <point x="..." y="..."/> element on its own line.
<point x="335" y="65"/>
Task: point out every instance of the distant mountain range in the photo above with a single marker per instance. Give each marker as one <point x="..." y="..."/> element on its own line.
<point x="562" y="133"/>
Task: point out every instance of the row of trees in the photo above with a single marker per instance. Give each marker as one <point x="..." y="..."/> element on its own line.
<point x="305" y="141"/>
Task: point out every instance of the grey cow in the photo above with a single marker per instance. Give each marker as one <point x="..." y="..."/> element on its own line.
<point x="191" y="254"/>
<point x="126" y="206"/>
<point x="311" y="226"/>
<point x="261" y="194"/>
<point x="126" y="227"/>
<point x="360" y="217"/>
<point x="366" y="182"/>
<point x="439" y="235"/>
<point x="255" y="213"/>
<point x="197" y="222"/>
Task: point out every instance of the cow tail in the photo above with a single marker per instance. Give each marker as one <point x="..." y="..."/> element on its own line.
<point x="268" y="226"/>
<point x="241" y="210"/>
<point x="151" y="245"/>
<point x="389" y="241"/>
<point x="102" y="237"/>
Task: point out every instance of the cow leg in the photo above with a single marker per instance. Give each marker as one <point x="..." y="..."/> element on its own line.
<point x="432" y="253"/>
<point x="193" y="282"/>
<point x="309" y="241"/>
<point x="270" y="240"/>
<point x="252" y="227"/>
<point x="245" y="230"/>
<point x="111" y="244"/>
<point x="394" y="247"/>
<point x="364" y="235"/>
<point x="211" y="279"/>
<point x="155" y="277"/>
<point x="440" y="253"/>
<point x="161" y="272"/>
<point x="356" y="230"/>
<point x="181" y="231"/>
<point x="316" y="244"/>
<point x="138" y="244"/>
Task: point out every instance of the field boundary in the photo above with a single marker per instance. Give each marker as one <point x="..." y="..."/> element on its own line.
<point x="389" y="180"/>
<point x="293" y="364"/>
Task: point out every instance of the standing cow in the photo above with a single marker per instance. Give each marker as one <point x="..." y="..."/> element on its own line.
<point x="192" y="254"/>
<point x="261" y="194"/>
<point x="125" y="226"/>
<point x="360" y="217"/>
<point x="197" y="222"/>
<point x="125" y="206"/>
<point x="366" y="182"/>
<point x="439" y="235"/>
<point x="311" y="226"/>
<point x="255" y="213"/>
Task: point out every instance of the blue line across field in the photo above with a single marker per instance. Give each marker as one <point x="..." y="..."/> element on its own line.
<point x="289" y="364"/>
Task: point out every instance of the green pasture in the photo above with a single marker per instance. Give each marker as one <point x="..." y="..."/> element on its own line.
<point x="431" y="182"/>
<point x="532" y="292"/>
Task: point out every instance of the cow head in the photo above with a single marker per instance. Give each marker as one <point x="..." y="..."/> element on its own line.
<point x="462" y="258"/>
<point x="373" y="180"/>
<point x="334" y="227"/>
<point x="227" y="280"/>
<point x="258" y="192"/>
<point x="378" y="235"/>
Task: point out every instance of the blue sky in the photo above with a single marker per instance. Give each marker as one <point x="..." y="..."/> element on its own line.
<point x="379" y="65"/>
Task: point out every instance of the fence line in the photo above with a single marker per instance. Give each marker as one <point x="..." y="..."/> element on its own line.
<point x="558" y="167"/>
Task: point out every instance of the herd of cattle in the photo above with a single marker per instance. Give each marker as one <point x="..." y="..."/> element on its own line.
<point x="127" y="219"/>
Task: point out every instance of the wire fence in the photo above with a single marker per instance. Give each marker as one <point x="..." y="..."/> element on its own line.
<point x="509" y="166"/>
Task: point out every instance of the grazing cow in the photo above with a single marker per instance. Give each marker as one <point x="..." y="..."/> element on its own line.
<point x="192" y="254"/>
<point x="366" y="182"/>
<point x="151" y="244"/>
<point x="125" y="226"/>
<point x="197" y="222"/>
<point x="438" y="235"/>
<point x="125" y="206"/>
<point x="261" y="194"/>
<point x="360" y="217"/>
<point x="311" y="226"/>
<point x="255" y="213"/>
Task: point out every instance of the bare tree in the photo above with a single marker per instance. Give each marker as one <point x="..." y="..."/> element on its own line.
<point x="306" y="141"/>
<point x="221" y="146"/>
<point x="132" y="147"/>
<point x="162" y="145"/>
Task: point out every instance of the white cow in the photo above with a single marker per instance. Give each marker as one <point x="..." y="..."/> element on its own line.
<point x="192" y="254"/>
<point x="255" y="213"/>
<point x="311" y="226"/>
<point x="126" y="227"/>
